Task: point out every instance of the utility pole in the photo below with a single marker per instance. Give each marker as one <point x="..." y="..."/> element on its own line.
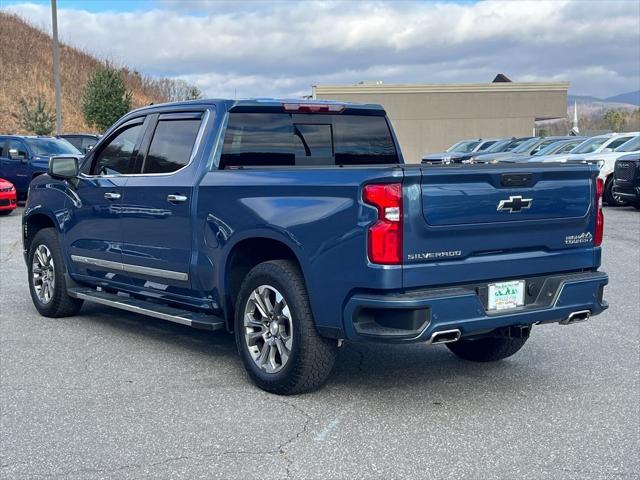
<point x="56" y="66"/>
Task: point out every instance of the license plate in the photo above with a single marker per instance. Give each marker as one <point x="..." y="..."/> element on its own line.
<point x="505" y="295"/>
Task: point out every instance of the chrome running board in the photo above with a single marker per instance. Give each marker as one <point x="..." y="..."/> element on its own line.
<point x="163" y="312"/>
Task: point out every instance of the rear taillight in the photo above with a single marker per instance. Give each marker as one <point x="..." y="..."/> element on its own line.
<point x="385" y="236"/>
<point x="597" y="237"/>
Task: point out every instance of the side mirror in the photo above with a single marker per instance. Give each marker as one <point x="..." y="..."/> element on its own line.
<point x="63" y="168"/>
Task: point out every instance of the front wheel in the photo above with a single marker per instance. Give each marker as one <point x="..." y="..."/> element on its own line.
<point x="488" y="349"/>
<point x="5" y="212"/>
<point x="47" y="284"/>
<point x="275" y="331"/>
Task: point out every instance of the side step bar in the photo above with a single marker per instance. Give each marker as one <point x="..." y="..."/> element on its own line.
<point x="124" y="302"/>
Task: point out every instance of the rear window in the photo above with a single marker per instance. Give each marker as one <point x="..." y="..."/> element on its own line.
<point x="284" y="139"/>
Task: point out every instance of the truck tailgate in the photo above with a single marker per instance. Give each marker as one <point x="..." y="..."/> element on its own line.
<point x="497" y="221"/>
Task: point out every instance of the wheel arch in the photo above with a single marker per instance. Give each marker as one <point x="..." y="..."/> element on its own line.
<point x="32" y="223"/>
<point x="245" y="254"/>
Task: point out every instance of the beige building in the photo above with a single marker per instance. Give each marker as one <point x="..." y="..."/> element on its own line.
<point x="431" y="117"/>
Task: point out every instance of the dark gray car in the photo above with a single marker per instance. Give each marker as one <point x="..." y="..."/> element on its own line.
<point x="521" y="153"/>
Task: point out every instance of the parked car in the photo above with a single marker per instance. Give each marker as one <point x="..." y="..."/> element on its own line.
<point x="506" y="145"/>
<point x="22" y="158"/>
<point x="627" y="179"/>
<point x="556" y="148"/>
<point x="460" y="151"/>
<point x="522" y="152"/>
<point x="599" y="144"/>
<point x="82" y="141"/>
<point x="297" y="225"/>
<point x="8" y="198"/>
<point x="606" y="159"/>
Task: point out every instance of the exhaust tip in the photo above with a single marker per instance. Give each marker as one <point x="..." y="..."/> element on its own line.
<point x="445" y="336"/>
<point x="575" y="317"/>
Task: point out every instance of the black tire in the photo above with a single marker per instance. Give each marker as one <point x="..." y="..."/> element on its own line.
<point x="4" y="213"/>
<point x="609" y="197"/>
<point x="490" y="349"/>
<point x="60" y="303"/>
<point x="311" y="356"/>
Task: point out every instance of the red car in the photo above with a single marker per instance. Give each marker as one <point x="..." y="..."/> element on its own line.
<point x="8" y="201"/>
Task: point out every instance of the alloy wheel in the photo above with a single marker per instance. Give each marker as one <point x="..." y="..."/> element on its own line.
<point x="43" y="274"/>
<point x="268" y="329"/>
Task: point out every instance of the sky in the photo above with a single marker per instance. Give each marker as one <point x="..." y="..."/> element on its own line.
<point x="281" y="48"/>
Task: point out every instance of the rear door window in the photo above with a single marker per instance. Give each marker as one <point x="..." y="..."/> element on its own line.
<point x="171" y="146"/>
<point x="284" y="139"/>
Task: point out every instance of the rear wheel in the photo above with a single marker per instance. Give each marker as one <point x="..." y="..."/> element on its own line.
<point x="47" y="284"/>
<point x="488" y="349"/>
<point x="275" y="332"/>
<point x="610" y="197"/>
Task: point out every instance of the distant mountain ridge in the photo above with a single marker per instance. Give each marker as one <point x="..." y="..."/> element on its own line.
<point x="623" y="100"/>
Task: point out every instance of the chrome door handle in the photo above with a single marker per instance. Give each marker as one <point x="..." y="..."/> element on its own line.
<point x="176" y="198"/>
<point x="112" y="196"/>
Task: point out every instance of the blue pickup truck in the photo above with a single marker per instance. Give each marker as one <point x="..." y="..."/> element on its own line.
<point x="297" y="225"/>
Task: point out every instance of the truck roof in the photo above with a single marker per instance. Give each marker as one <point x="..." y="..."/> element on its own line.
<point x="229" y="104"/>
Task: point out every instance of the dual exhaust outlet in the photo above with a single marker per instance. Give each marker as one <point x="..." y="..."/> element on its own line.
<point x="450" y="336"/>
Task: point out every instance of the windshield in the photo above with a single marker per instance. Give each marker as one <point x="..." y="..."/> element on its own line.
<point x="526" y="145"/>
<point x="51" y="146"/>
<point x="589" y="146"/>
<point x="463" y="147"/>
<point x="516" y="143"/>
<point x="632" y="145"/>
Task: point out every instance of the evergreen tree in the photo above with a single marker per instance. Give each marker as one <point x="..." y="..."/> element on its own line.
<point x="38" y="118"/>
<point x="105" y="98"/>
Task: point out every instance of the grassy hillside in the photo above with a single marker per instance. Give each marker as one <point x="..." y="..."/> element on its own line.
<point x="26" y="71"/>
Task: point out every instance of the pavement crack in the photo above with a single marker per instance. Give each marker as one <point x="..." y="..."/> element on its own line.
<point x="305" y="426"/>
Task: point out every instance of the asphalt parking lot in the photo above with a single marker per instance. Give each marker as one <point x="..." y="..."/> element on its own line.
<point x="110" y="394"/>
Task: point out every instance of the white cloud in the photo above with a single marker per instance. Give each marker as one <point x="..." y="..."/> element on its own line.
<point x="282" y="48"/>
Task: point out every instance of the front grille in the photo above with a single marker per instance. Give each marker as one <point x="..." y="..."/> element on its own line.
<point x="4" y="202"/>
<point x="625" y="170"/>
<point x="8" y="189"/>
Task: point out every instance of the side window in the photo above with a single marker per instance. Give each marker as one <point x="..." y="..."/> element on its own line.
<point x="258" y="139"/>
<point x="2" y="144"/>
<point x="75" y="141"/>
<point x="171" y="146"/>
<point x="87" y="144"/>
<point x="17" y="150"/>
<point x="116" y="157"/>
<point x="616" y="143"/>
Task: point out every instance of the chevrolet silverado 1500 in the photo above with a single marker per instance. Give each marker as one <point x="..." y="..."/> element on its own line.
<point x="297" y="225"/>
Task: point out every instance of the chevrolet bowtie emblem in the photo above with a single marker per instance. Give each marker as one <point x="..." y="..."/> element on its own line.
<point x="514" y="204"/>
